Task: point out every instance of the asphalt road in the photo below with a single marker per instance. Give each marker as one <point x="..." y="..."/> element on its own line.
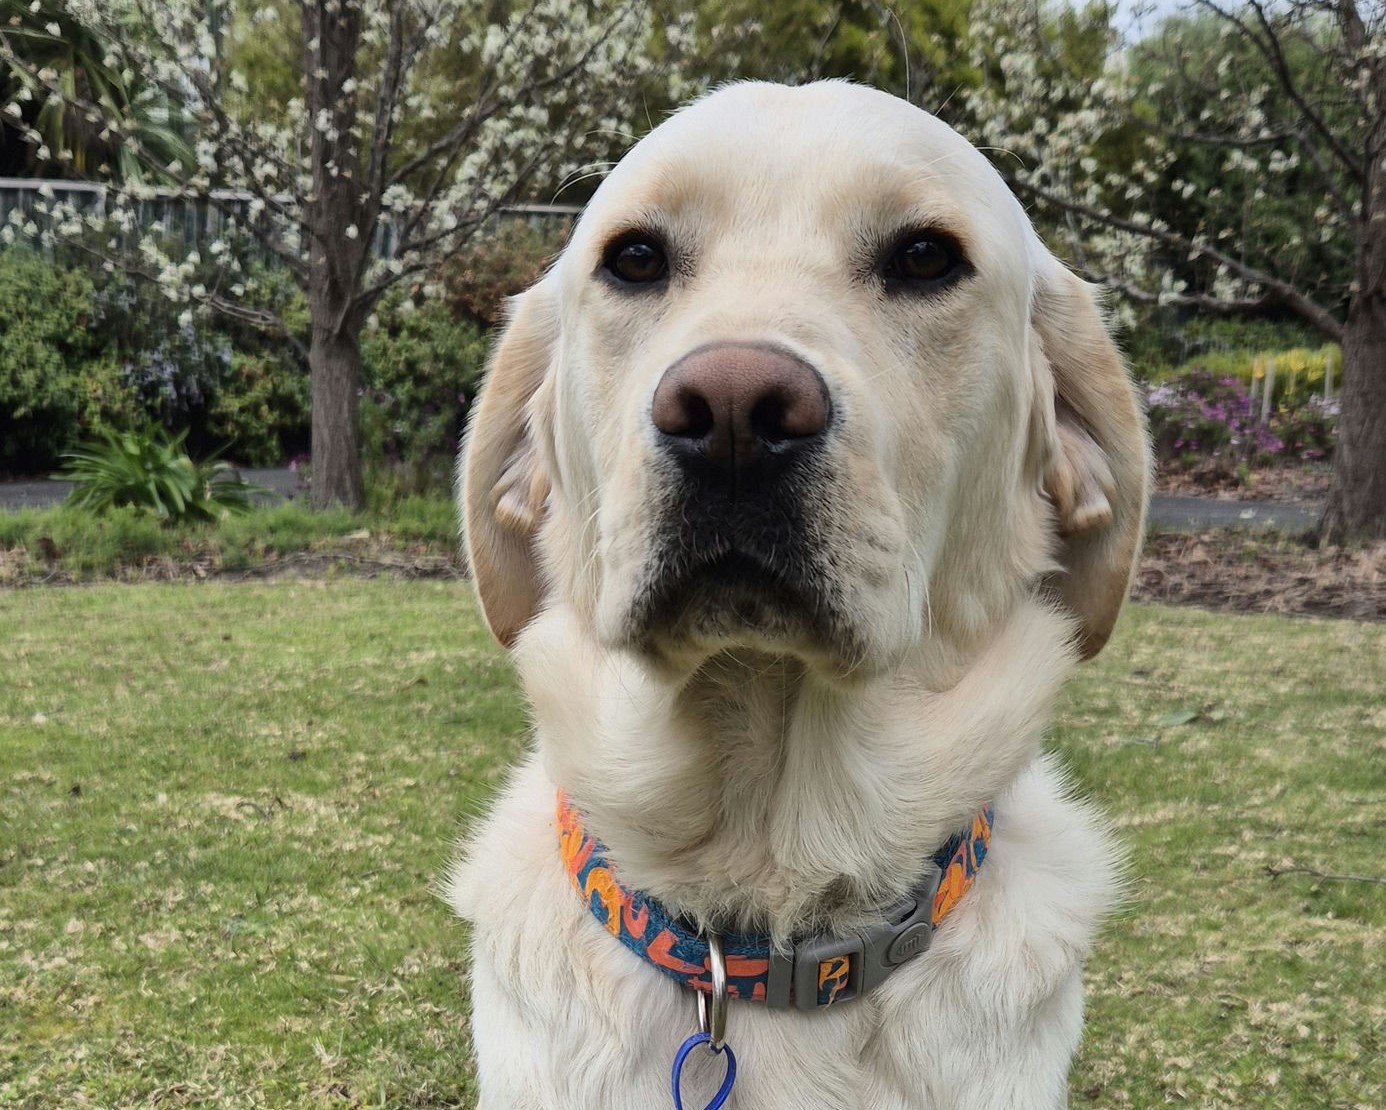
<point x="1165" y="512"/>
<point x="1207" y="512"/>
<point x="38" y="492"/>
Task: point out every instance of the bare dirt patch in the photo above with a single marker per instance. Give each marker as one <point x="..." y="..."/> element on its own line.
<point x="1295" y="485"/>
<point x="1263" y="574"/>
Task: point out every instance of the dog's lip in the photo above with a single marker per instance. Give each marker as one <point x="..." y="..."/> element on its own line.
<point x="730" y="568"/>
<point x="730" y="578"/>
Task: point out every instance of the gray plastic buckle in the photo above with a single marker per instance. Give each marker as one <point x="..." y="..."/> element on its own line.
<point x="873" y="955"/>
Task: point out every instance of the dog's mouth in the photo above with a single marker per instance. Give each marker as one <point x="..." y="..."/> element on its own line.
<point x="733" y="597"/>
<point x="744" y="564"/>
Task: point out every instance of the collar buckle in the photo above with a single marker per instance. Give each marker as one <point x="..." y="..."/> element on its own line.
<point x="822" y="970"/>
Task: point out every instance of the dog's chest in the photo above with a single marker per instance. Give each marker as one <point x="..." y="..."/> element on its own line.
<point x="567" y="1017"/>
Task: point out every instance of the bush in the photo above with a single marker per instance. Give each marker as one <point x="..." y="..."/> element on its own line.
<point x="477" y="281"/>
<point x="236" y="389"/>
<point x="262" y="410"/>
<point x="82" y="351"/>
<point x="1308" y="430"/>
<point x="59" y="377"/>
<point x="422" y="368"/>
<point x="1166" y="342"/>
<point x="1203" y="421"/>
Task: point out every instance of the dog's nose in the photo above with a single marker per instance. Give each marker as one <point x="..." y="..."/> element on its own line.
<point x="735" y="403"/>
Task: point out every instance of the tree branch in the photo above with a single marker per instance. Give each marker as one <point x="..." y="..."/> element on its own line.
<point x="262" y="318"/>
<point x="1270" y="49"/>
<point x="1282" y="292"/>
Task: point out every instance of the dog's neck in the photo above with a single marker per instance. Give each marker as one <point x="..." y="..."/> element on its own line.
<point x="758" y="796"/>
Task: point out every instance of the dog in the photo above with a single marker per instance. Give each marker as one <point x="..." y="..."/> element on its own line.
<point x="797" y="487"/>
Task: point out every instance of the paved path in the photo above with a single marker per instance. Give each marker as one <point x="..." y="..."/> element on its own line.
<point x="37" y="492"/>
<point x="1166" y="512"/>
<point x="1208" y="512"/>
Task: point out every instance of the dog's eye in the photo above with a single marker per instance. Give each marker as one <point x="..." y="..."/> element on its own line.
<point x="923" y="256"/>
<point x="637" y="260"/>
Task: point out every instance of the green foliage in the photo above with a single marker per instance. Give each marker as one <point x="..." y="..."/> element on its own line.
<point x="1160" y="342"/>
<point x="1271" y="210"/>
<point x="48" y="37"/>
<point x="58" y="375"/>
<point x="916" y="50"/>
<point x="422" y="367"/>
<point x="82" y="351"/>
<point x="477" y="281"/>
<point x="152" y="472"/>
<point x="262" y="407"/>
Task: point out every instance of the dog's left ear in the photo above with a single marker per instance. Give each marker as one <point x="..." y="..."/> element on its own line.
<point x="1095" y="452"/>
<point x="503" y="485"/>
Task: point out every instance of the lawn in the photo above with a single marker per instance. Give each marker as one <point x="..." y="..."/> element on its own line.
<point x="223" y="808"/>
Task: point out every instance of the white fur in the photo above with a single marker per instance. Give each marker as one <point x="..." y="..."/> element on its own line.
<point x="988" y="495"/>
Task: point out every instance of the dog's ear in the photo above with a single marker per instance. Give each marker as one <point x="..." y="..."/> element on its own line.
<point x="1096" y="454"/>
<point x="503" y="485"/>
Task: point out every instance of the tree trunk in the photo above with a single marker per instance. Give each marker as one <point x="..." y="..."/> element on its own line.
<point x="339" y="239"/>
<point x="335" y="361"/>
<point x="1357" y="494"/>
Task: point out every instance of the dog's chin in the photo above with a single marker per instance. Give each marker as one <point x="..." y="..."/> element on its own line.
<point x="731" y="603"/>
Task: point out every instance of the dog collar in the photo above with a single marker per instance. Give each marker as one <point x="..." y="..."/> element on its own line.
<point x="820" y="970"/>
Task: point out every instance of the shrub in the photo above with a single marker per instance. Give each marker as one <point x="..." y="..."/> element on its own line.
<point x="152" y="472"/>
<point x="172" y="360"/>
<point x="59" y="377"/>
<point x="1202" y="421"/>
<point x="237" y="389"/>
<point x="1204" y="417"/>
<point x="1308" y="430"/>
<point x="262" y="410"/>
<point x="1165" y="342"/>
<point x="477" y="281"/>
<point x="422" y="368"/>
<point x="82" y="351"/>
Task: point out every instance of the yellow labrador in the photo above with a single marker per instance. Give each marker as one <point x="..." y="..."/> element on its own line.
<point x="798" y="486"/>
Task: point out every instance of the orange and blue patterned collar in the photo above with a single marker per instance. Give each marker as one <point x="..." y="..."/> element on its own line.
<point x="819" y="972"/>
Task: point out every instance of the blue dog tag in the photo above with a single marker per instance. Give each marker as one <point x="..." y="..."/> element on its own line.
<point x="679" y="1057"/>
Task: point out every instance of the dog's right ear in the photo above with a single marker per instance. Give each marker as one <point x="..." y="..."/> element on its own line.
<point x="503" y="484"/>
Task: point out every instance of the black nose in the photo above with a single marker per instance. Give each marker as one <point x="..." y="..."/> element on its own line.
<point x="735" y="404"/>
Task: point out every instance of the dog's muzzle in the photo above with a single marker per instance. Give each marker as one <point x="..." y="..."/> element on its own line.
<point x="741" y="435"/>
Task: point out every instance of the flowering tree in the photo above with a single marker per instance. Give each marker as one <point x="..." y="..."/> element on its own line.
<point x="1233" y="162"/>
<point x="313" y="184"/>
<point x="63" y="140"/>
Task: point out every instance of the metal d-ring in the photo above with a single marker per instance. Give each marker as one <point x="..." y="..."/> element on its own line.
<point x="712" y="1008"/>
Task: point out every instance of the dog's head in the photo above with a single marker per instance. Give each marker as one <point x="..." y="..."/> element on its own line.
<point x="804" y="381"/>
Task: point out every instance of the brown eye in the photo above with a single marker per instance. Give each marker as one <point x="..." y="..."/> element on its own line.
<point x="639" y="260"/>
<point x="923" y="257"/>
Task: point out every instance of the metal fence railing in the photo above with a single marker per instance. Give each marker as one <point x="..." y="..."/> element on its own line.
<point x="200" y="221"/>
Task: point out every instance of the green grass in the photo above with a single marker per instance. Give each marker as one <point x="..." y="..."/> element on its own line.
<point x="223" y="807"/>
<point x="80" y="545"/>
